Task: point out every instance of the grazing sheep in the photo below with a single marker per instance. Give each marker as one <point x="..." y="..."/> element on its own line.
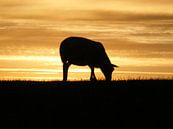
<point x="81" y="51"/>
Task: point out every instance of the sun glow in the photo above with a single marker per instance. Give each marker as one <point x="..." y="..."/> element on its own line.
<point x="50" y="68"/>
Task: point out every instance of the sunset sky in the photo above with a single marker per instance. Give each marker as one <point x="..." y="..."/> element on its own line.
<point x="137" y="35"/>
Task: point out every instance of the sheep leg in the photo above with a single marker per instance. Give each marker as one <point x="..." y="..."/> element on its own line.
<point x="65" y="71"/>
<point x="92" y="77"/>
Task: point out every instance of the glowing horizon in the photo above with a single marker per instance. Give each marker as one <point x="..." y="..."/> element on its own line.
<point x="129" y="68"/>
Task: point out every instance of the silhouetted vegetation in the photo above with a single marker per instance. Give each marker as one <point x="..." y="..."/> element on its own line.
<point x="85" y="105"/>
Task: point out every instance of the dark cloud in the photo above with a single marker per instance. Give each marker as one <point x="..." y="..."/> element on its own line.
<point x="155" y="1"/>
<point x="123" y="16"/>
<point x="125" y="48"/>
<point x="47" y="11"/>
<point x="6" y="4"/>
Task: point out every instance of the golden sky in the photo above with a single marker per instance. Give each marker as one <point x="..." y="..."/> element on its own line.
<point x="67" y="9"/>
<point x="137" y="34"/>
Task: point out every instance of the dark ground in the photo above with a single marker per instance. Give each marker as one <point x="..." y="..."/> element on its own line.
<point x="84" y="105"/>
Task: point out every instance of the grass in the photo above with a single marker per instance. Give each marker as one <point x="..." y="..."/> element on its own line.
<point x="85" y="104"/>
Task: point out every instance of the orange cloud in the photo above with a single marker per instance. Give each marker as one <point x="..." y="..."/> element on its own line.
<point x="81" y="9"/>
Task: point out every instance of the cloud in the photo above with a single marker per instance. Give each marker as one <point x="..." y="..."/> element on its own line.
<point x="123" y="16"/>
<point x="14" y="3"/>
<point x="125" y="48"/>
<point x="154" y="1"/>
<point x="86" y="10"/>
<point x="94" y="15"/>
<point x="29" y="35"/>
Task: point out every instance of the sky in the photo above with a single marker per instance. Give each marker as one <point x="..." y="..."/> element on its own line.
<point x="137" y="36"/>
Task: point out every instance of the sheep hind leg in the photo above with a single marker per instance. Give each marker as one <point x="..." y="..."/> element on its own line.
<point x="65" y="71"/>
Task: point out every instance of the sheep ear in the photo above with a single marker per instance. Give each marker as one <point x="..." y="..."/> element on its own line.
<point x="115" y="65"/>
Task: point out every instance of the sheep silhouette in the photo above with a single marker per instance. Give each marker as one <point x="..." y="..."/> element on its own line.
<point x="82" y="51"/>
